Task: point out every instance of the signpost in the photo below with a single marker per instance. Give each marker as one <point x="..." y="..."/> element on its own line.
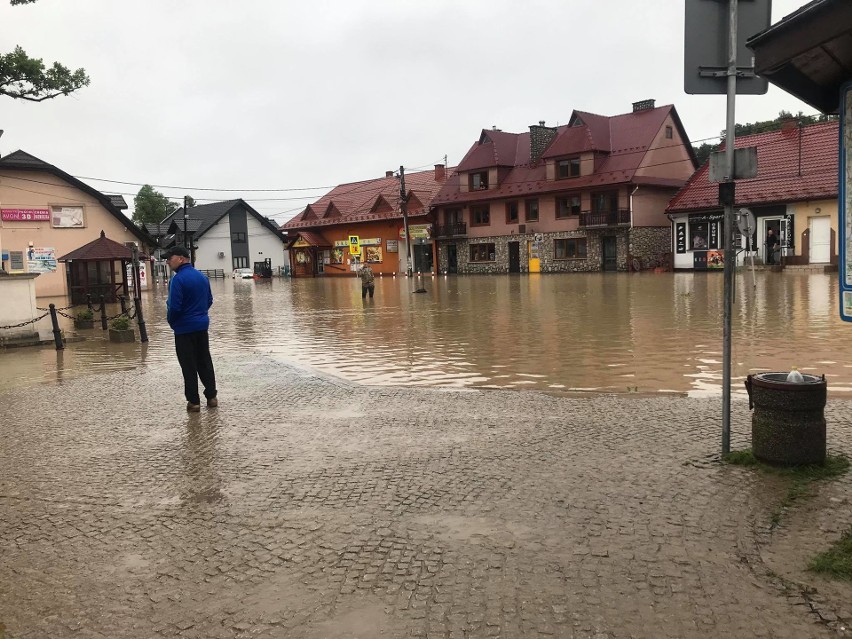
<point x="843" y="210"/>
<point x="715" y="58"/>
<point x="354" y="246"/>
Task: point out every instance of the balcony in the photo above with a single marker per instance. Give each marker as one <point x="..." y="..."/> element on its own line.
<point x="450" y="230"/>
<point x="603" y="219"/>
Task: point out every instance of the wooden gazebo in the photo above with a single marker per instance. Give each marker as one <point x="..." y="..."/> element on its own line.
<point x="98" y="268"/>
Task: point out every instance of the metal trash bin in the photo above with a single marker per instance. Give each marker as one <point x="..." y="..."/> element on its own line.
<point x="788" y="423"/>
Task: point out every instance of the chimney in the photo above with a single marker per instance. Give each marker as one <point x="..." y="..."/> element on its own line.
<point x="643" y="105"/>
<point x="439" y="172"/>
<point x="388" y="173"/>
<point x="788" y="123"/>
<point x="540" y="137"/>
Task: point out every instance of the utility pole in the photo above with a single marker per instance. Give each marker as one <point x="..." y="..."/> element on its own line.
<point x="403" y="205"/>
<point x="729" y="227"/>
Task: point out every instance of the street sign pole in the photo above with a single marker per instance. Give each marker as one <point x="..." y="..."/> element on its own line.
<point x="729" y="228"/>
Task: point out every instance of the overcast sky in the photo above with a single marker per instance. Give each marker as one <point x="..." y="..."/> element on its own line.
<point x="284" y="94"/>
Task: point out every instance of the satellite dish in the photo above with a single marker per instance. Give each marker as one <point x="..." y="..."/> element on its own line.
<point x="746" y="222"/>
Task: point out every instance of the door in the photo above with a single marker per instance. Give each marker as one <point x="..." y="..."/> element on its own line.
<point x="452" y="259"/>
<point x="772" y="256"/>
<point x="820" y="249"/>
<point x="514" y="257"/>
<point x="422" y="258"/>
<point x="609" y="250"/>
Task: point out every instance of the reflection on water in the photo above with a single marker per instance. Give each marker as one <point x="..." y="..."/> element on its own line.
<point x="602" y="332"/>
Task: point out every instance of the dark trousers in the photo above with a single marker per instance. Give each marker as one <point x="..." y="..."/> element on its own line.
<point x="193" y="353"/>
<point x="365" y="288"/>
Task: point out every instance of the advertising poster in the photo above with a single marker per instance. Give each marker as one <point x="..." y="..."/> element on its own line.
<point x="373" y="254"/>
<point x="680" y="237"/>
<point x="41" y="260"/>
<point x="67" y="217"/>
<point x="715" y="259"/>
<point x="25" y="215"/>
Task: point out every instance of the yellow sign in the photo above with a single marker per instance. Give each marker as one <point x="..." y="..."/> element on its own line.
<point x="354" y="245"/>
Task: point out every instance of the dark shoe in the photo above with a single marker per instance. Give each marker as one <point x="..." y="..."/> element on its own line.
<point x="193" y="408"/>
<point x="212" y="403"/>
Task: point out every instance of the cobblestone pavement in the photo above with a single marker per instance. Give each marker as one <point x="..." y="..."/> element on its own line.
<point x="308" y="507"/>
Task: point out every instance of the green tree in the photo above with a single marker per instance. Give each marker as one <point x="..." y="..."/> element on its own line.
<point x="150" y="206"/>
<point x="26" y="78"/>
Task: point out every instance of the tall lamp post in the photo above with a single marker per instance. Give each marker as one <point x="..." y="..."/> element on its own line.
<point x="403" y="205"/>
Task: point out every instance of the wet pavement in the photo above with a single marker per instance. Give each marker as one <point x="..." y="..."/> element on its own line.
<point x="309" y="506"/>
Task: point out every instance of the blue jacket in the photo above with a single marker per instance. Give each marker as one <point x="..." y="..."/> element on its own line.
<point x="189" y="298"/>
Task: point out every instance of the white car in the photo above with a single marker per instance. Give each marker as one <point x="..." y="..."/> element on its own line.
<point x="242" y="274"/>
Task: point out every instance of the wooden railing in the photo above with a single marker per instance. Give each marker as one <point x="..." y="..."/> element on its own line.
<point x="621" y="217"/>
<point x="450" y="230"/>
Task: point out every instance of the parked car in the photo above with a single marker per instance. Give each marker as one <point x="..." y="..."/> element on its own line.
<point x="242" y="274"/>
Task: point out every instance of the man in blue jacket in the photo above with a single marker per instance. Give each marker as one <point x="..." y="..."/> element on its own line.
<point x="189" y="299"/>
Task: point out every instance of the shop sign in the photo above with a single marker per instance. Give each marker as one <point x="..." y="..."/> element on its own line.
<point x="423" y="231"/>
<point x="371" y="241"/>
<point x="25" y="215"/>
<point x="392" y="246"/>
<point x="680" y="237"/>
<point x="341" y="243"/>
<point x="300" y="243"/>
<point x="68" y="217"/>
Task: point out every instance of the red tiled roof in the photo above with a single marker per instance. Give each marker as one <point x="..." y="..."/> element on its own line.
<point x="781" y="176"/>
<point x="100" y="249"/>
<point x="496" y="148"/>
<point x="356" y="201"/>
<point x="622" y="141"/>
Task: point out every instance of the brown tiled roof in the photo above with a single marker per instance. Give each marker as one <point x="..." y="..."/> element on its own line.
<point x="369" y="200"/>
<point x="780" y="175"/>
<point x="496" y="148"/>
<point x="314" y="239"/>
<point x="100" y="249"/>
<point x="622" y="141"/>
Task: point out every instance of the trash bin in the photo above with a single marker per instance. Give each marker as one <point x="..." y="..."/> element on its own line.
<point x="788" y="423"/>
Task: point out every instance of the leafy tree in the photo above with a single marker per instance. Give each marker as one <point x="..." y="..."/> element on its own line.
<point x="702" y="153"/>
<point x="151" y="207"/>
<point x="190" y="201"/>
<point x="26" y="78"/>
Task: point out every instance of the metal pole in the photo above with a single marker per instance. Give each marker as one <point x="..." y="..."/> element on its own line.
<point x="729" y="228"/>
<point x="103" y="314"/>
<point x="143" y="332"/>
<point x="123" y="301"/>
<point x="185" y="220"/>
<point x="57" y="334"/>
<point x="403" y="205"/>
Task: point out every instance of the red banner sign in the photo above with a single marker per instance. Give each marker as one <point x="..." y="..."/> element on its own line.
<point x="25" y="215"/>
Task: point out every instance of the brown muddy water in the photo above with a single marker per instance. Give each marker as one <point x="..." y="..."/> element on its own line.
<point x="618" y="332"/>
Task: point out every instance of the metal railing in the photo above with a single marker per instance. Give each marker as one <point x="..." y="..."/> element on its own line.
<point x="449" y="230"/>
<point x="620" y="217"/>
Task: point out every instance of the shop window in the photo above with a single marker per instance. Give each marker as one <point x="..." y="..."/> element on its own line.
<point x="699" y="235"/>
<point x="482" y="253"/>
<point x="570" y="248"/>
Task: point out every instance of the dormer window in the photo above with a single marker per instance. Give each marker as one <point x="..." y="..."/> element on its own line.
<point x="479" y="181"/>
<point x="569" y="168"/>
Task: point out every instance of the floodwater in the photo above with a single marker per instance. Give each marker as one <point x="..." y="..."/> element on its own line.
<point x="598" y="332"/>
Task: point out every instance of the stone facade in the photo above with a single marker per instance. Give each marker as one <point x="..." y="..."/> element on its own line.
<point x="650" y="244"/>
<point x="652" y="241"/>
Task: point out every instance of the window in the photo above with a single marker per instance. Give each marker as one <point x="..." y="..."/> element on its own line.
<point x="570" y="249"/>
<point x="568" y="168"/>
<point x="238" y="238"/>
<point x="482" y="252"/>
<point x="479" y="181"/>
<point x="453" y="216"/>
<point x="669" y="133"/>
<point x="699" y="233"/>
<point x="569" y="205"/>
<point x="480" y="216"/>
<point x="240" y="262"/>
<point x="531" y="210"/>
<point x="605" y="202"/>
<point x="511" y="212"/>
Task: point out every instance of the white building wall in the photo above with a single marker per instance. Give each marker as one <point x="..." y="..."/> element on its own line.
<point x="216" y="240"/>
<point x="264" y="244"/>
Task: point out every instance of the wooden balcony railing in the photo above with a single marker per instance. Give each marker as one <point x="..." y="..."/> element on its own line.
<point x="450" y="230"/>
<point x="621" y="217"/>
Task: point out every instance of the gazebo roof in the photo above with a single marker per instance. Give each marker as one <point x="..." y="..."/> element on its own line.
<point x="100" y="250"/>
